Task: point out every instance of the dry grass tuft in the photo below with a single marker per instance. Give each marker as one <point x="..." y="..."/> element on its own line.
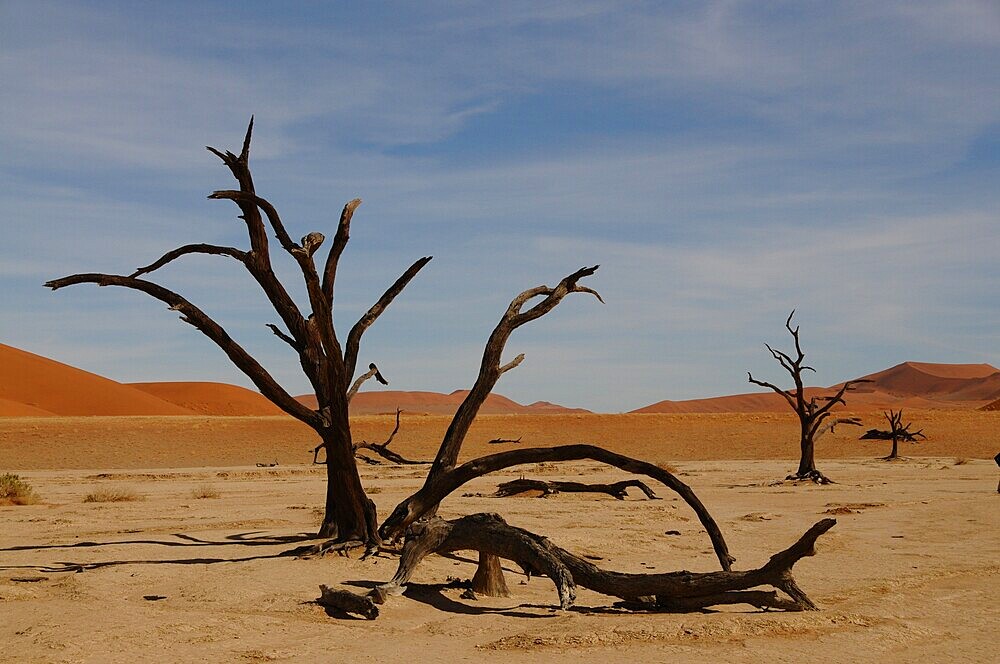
<point x="205" y="491"/>
<point x="670" y="468"/>
<point x="15" y="491"/>
<point x="122" y="495"/>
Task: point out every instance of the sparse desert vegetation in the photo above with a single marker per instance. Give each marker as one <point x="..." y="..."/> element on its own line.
<point x="113" y="495"/>
<point x="205" y="491"/>
<point x="16" y="491"/>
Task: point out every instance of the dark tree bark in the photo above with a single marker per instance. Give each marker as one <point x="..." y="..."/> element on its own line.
<point x="616" y="490"/>
<point x="349" y="515"/>
<point x="811" y="413"/>
<point x="896" y="432"/>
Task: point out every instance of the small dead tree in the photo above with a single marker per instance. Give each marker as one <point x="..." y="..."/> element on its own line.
<point x="896" y="432"/>
<point x="813" y="412"/>
<point x="329" y="365"/>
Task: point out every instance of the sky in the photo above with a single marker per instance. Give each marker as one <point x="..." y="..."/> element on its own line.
<point x="724" y="162"/>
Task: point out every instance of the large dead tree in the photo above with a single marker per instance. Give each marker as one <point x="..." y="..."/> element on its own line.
<point x="896" y="432"/>
<point x="329" y="365"/>
<point x="813" y="412"/>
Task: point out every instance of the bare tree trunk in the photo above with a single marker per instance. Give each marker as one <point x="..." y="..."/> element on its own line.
<point x="807" y="458"/>
<point x="895" y="448"/>
<point x="349" y="514"/>
<point x="489" y="578"/>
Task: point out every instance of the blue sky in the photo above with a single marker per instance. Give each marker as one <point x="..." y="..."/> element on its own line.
<point x="724" y="162"/>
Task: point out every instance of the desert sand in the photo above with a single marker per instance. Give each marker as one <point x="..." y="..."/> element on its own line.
<point x="909" y="572"/>
<point x="192" y="570"/>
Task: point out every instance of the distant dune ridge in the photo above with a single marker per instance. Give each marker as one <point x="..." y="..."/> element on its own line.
<point x="919" y="385"/>
<point x="211" y="398"/>
<point x="35" y="386"/>
<point x="436" y="403"/>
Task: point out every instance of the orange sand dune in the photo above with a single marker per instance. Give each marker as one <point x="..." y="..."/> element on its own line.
<point x="10" y="408"/>
<point x="34" y="383"/>
<point x="946" y="382"/>
<point x="908" y="385"/>
<point x="211" y="398"/>
<point x="436" y="403"/>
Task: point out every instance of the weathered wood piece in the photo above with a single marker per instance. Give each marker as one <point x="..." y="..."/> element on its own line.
<point x="345" y="601"/>
<point x="550" y="487"/>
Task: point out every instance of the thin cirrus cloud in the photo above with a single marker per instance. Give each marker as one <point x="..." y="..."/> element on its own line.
<point x="723" y="161"/>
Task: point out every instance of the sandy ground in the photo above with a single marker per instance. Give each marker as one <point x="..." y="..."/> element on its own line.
<point x="909" y="573"/>
<point x="180" y="442"/>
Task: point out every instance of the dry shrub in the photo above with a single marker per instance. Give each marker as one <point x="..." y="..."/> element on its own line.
<point x="205" y="491"/>
<point x="122" y="495"/>
<point x="670" y="468"/>
<point x="961" y="461"/>
<point x="15" y="491"/>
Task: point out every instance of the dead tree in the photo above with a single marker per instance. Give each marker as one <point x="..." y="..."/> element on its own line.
<point x="895" y="433"/>
<point x="617" y="490"/>
<point x="329" y="366"/>
<point x="812" y="412"/>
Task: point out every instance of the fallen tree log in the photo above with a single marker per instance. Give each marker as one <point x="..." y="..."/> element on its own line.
<point x="548" y="488"/>
<point x="682" y="591"/>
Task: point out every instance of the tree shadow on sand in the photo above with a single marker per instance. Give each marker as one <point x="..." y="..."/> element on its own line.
<point x="251" y="538"/>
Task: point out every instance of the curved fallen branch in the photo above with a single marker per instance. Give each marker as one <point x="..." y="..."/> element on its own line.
<point x="682" y="590"/>
<point x="438" y="487"/>
<point x="548" y="488"/>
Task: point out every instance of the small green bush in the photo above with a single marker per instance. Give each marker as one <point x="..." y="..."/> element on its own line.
<point x="15" y="491"/>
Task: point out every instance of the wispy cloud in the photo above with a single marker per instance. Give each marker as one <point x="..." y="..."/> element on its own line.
<point x="723" y="161"/>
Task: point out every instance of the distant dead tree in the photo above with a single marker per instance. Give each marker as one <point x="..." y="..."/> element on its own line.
<point x="812" y="413"/>
<point x="896" y="432"/>
<point x="329" y="366"/>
